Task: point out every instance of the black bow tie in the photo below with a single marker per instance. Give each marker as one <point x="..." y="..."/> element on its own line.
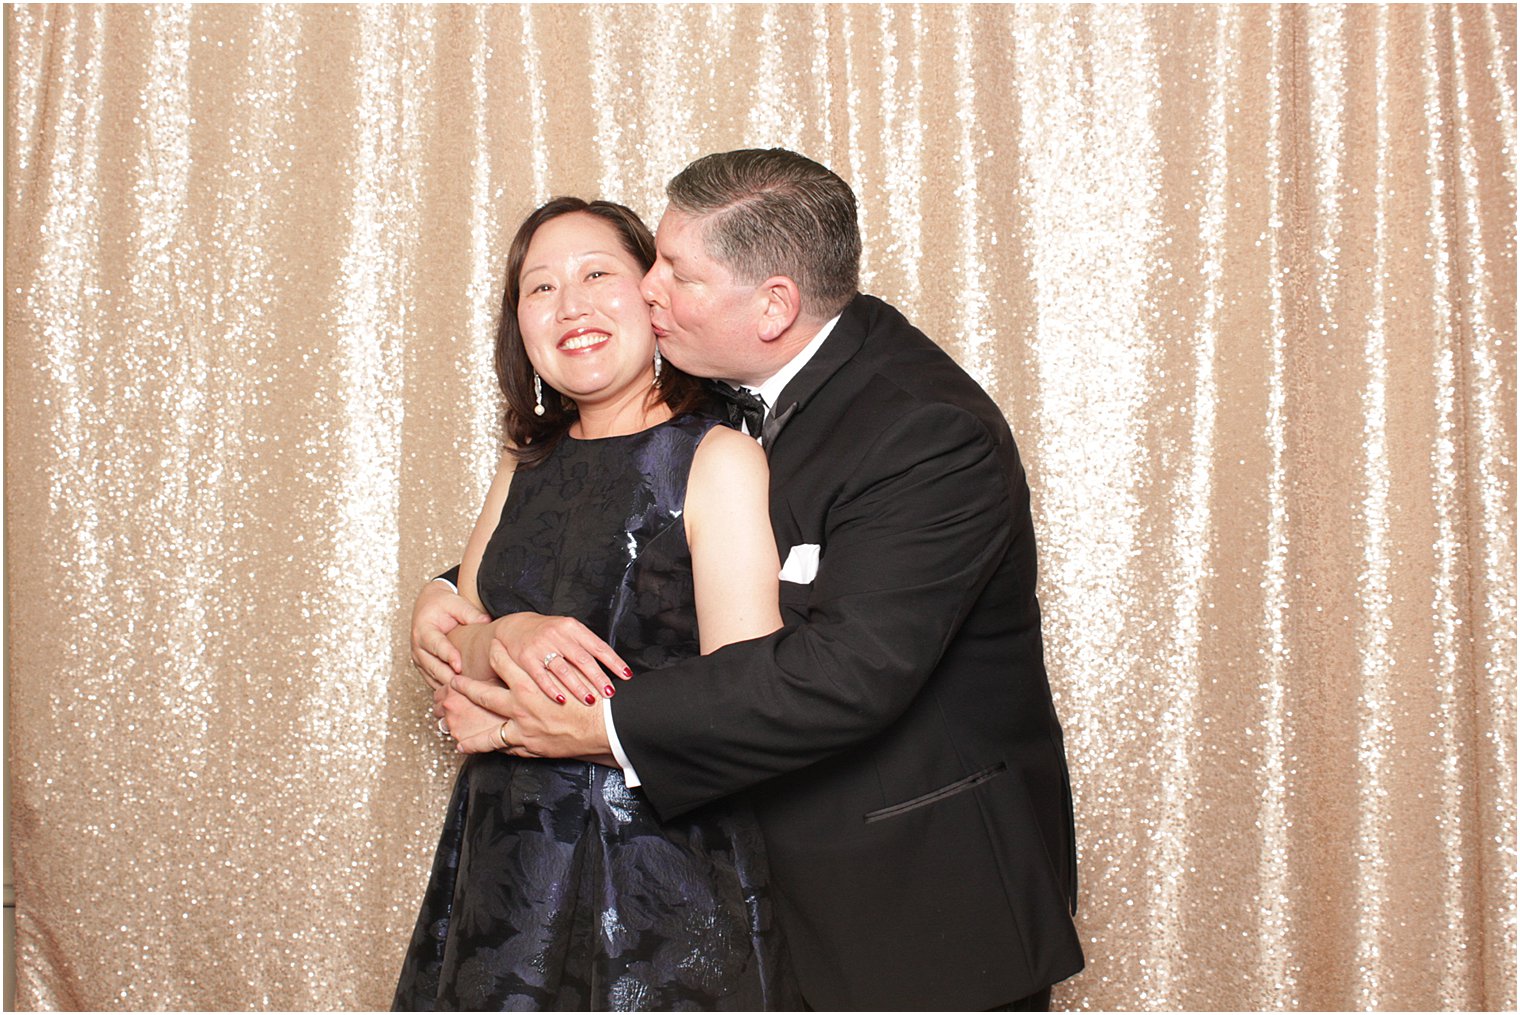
<point x="742" y="407"/>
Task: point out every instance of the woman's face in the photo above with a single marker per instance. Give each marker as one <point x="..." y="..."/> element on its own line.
<point x="583" y="320"/>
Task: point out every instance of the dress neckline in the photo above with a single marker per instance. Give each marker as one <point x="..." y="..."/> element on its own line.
<point x="624" y="436"/>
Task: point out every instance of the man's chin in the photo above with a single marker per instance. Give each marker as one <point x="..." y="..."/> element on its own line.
<point x="684" y="365"/>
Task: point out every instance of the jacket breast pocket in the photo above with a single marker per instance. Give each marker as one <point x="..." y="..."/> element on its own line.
<point x="935" y="796"/>
<point x="794" y="602"/>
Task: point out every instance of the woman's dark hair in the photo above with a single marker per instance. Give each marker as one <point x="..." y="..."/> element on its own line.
<point x="532" y="437"/>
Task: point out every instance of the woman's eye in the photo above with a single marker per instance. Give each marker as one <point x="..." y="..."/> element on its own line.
<point x="542" y="287"/>
<point x="595" y="274"/>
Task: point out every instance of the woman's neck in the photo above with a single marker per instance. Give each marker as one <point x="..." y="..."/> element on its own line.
<point x="625" y="414"/>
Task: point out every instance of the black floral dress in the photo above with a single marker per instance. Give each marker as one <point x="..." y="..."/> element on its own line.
<point x="555" y="885"/>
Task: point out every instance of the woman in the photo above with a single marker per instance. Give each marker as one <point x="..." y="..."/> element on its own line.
<point x="617" y="504"/>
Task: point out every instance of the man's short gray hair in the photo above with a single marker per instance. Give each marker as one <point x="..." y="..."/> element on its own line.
<point x="774" y="212"/>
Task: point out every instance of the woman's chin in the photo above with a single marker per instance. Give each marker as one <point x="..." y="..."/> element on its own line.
<point x="609" y="395"/>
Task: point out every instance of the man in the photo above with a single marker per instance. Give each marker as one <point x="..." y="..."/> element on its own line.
<point x="897" y="736"/>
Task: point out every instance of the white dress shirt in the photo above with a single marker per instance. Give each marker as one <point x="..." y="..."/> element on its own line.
<point x="769" y="390"/>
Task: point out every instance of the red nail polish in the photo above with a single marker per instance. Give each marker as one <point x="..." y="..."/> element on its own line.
<point x="627" y="672"/>
<point x="560" y="698"/>
<point x="608" y="691"/>
<point x="590" y="699"/>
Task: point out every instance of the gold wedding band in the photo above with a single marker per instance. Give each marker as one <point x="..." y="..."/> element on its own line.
<point x="501" y="734"/>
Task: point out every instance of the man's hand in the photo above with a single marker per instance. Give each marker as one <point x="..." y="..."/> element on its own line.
<point x="537" y="727"/>
<point x="462" y="717"/>
<point x="438" y="611"/>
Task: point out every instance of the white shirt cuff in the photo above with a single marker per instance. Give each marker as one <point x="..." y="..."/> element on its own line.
<point x="630" y="777"/>
<point x="452" y="587"/>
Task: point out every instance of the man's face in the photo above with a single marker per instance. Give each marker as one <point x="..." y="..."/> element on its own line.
<point x="707" y="323"/>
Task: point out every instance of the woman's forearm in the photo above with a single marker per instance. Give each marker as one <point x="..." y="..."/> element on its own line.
<point x="474" y="644"/>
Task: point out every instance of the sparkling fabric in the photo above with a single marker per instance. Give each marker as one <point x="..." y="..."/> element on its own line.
<point x="1242" y="278"/>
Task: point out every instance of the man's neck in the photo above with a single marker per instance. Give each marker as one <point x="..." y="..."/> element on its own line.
<point x="781" y="352"/>
<point x="803" y="350"/>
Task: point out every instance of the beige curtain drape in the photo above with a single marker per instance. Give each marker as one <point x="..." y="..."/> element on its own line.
<point x="1243" y="280"/>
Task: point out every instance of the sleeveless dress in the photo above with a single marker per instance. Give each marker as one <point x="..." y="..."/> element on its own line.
<point x="555" y="885"/>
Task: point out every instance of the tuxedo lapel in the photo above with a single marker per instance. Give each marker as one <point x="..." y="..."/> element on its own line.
<point x="774" y="424"/>
<point x="837" y="350"/>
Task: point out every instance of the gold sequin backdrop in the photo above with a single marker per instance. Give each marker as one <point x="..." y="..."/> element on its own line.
<point x="1243" y="280"/>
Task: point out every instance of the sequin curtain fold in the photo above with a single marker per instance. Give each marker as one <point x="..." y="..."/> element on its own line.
<point x="1243" y="280"/>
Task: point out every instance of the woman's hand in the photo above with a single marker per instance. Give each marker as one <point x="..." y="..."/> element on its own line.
<point x="526" y="725"/>
<point x="559" y="654"/>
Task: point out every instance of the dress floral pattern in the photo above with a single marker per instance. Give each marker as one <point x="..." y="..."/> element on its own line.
<point x="555" y="885"/>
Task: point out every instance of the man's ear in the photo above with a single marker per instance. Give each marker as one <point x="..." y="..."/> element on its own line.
<point x="782" y="305"/>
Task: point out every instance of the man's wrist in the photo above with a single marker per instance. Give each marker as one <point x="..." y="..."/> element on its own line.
<point x="450" y="578"/>
<point x="615" y="747"/>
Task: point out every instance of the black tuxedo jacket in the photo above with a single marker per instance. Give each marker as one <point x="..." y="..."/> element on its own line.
<point x="898" y="733"/>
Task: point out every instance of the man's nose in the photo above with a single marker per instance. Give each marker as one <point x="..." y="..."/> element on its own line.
<point x="650" y="288"/>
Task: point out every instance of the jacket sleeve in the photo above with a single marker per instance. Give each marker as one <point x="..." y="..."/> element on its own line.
<point x="913" y="535"/>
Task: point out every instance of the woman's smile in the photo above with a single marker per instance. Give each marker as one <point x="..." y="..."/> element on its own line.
<point x="584" y="323"/>
<point x="583" y="340"/>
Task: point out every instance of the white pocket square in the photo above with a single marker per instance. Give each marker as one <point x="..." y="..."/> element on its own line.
<point x="801" y="565"/>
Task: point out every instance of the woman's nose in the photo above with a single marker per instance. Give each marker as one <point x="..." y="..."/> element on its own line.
<point x="572" y="302"/>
